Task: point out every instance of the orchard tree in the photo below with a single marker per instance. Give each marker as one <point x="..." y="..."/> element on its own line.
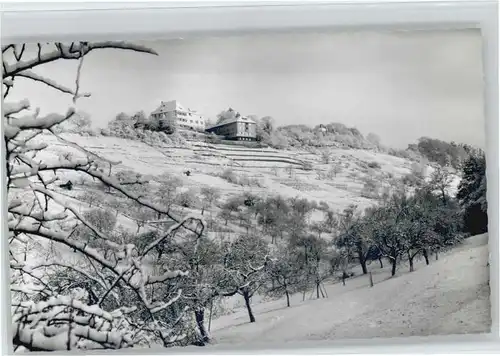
<point x="387" y="229"/>
<point x="441" y="180"/>
<point x="355" y="235"/>
<point x="284" y="272"/>
<point x="167" y="192"/>
<point x="209" y="195"/>
<point x="201" y="257"/>
<point x="313" y="256"/>
<point x="272" y="216"/>
<point x="335" y="169"/>
<point x="417" y="224"/>
<point x="244" y="262"/>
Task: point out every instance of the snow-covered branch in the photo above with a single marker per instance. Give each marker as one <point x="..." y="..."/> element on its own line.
<point x="51" y="83"/>
<point x="75" y="50"/>
<point x="14" y="126"/>
<point x="106" y="258"/>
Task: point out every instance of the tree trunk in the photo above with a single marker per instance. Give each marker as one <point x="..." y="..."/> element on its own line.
<point x="324" y="290"/>
<point x="437" y="256"/>
<point x="426" y="257"/>
<point x="200" y="321"/>
<point x="443" y="196"/>
<point x="393" y="270"/>
<point x="211" y="313"/>
<point x="410" y="260"/>
<point x="381" y="263"/>
<point x="246" y="296"/>
<point x="317" y="290"/>
<point x="287" y="298"/>
<point x="321" y="290"/>
<point x="371" y="279"/>
<point x="362" y="260"/>
<point x="138" y="229"/>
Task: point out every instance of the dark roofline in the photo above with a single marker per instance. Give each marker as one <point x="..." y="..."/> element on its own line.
<point x="250" y="121"/>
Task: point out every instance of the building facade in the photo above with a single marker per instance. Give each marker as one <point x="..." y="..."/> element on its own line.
<point x="240" y="129"/>
<point x="173" y="114"/>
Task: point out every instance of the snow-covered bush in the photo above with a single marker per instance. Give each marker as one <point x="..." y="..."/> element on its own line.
<point x="239" y="179"/>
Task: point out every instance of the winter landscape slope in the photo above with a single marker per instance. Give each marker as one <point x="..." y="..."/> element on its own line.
<point x="277" y="171"/>
<point x="449" y="296"/>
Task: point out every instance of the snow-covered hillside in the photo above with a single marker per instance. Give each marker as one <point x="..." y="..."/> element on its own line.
<point x="450" y="295"/>
<point x="277" y="171"/>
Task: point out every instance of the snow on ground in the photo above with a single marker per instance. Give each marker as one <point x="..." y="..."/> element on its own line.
<point x="450" y="296"/>
<point x="207" y="161"/>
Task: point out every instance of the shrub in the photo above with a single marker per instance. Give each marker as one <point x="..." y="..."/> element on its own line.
<point x="230" y="176"/>
<point x="307" y="166"/>
<point x="371" y="188"/>
<point x="374" y="165"/>
<point x="187" y="199"/>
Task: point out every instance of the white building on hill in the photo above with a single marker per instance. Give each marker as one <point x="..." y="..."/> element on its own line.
<point x="172" y="113"/>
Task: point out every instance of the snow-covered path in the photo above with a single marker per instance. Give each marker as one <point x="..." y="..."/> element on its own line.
<point x="450" y="296"/>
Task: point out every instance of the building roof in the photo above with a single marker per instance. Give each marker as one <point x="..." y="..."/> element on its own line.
<point x="169" y="106"/>
<point x="232" y="121"/>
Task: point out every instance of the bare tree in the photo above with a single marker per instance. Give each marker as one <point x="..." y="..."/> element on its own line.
<point x="386" y="224"/>
<point x="335" y="169"/>
<point x="210" y="195"/>
<point x="45" y="319"/>
<point x="354" y="235"/>
<point x="201" y="257"/>
<point x="441" y="179"/>
<point x="285" y="273"/>
<point x="272" y="216"/>
<point x="244" y="262"/>
<point x="313" y="254"/>
<point x="326" y="156"/>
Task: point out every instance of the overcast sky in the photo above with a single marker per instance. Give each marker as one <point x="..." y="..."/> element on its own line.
<point x="401" y="85"/>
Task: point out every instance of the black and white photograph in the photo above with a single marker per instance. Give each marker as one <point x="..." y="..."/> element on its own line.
<point x="246" y="189"/>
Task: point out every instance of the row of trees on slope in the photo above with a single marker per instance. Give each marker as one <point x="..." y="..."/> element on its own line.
<point x="335" y="134"/>
<point x="445" y="154"/>
<point x="418" y="218"/>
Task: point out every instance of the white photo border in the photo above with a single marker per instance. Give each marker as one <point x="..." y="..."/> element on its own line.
<point x="160" y="20"/>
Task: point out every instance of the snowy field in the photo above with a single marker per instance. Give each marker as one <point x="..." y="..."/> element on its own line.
<point x="275" y="177"/>
<point x="450" y="296"/>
